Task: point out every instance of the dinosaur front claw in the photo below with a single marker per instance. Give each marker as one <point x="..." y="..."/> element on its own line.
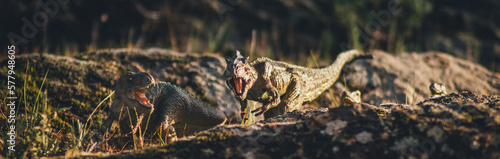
<point x="262" y="110"/>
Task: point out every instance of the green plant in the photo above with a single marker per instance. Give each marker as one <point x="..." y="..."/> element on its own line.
<point x="36" y="132"/>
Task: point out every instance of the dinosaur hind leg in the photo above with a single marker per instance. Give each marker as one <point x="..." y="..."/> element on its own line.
<point x="167" y="132"/>
<point x="291" y="100"/>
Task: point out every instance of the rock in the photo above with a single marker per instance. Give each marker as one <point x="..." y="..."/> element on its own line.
<point x="462" y="125"/>
<point x="405" y="77"/>
<point x="69" y="83"/>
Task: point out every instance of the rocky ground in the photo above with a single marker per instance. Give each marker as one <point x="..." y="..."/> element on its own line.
<point x="405" y="78"/>
<point x="462" y="125"/>
<point x="458" y="125"/>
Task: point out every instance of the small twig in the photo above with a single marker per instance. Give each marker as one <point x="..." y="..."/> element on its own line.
<point x="90" y="117"/>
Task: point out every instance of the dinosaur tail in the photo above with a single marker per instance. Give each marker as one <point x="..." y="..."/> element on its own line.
<point x="330" y="74"/>
<point x="342" y="59"/>
<point x="348" y="56"/>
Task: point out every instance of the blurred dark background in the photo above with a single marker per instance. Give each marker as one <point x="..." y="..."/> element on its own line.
<point x="288" y="30"/>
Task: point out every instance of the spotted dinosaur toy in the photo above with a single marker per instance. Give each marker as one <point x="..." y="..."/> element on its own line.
<point x="279" y="86"/>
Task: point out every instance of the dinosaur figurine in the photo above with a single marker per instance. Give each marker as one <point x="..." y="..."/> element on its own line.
<point x="349" y="98"/>
<point x="138" y="95"/>
<point x="279" y="86"/>
<point x="437" y="90"/>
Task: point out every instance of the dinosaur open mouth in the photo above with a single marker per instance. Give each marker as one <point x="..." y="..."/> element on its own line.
<point x="348" y="101"/>
<point x="140" y="95"/>
<point x="239" y="85"/>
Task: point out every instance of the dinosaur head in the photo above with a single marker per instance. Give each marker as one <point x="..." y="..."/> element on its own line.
<point x="240" y="75"/>
<point x="437" y="89"/>
<point x="131" y="89"/>
<point x="349" y="98"/>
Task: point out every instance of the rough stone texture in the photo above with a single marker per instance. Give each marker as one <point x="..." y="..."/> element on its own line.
<point x="461" y="125"/>
<point x="405" y="78"/>
<point x="70" y="83"/>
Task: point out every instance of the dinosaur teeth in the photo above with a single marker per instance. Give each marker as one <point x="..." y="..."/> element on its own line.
<point x="238" y="85"/>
